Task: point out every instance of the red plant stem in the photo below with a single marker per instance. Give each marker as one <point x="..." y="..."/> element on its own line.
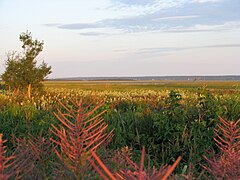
<point x="103" y="166"/>
<point x="98" y="170"/>
<point x="171" y="169"/>
<point x="142" y="164"/>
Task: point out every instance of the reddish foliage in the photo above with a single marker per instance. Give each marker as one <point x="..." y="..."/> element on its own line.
<point x="226" y="165"/>
<point x="39" y="150"/>
<point x="80" y="132"/>
<point x="16" y="165"/>
<point x="134" y="171"/>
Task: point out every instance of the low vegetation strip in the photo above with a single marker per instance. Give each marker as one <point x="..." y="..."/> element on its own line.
<point x="139" y="84"/>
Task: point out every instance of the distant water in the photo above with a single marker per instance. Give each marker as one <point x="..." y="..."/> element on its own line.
<point x="130" y="82"/>
<point x="148" y="78"/>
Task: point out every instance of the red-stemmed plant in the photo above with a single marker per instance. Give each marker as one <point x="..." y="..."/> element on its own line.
<point x="134" y="171"/>
<point x="81" y="132"/>
<point x="226" y="165"/>
<point x="16" y="165"/>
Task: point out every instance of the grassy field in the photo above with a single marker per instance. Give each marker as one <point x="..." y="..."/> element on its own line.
<point x="147" y="85"/>
<point x="168" y="118"/>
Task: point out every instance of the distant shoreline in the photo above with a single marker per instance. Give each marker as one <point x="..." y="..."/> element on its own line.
<point x="149" y="78"/>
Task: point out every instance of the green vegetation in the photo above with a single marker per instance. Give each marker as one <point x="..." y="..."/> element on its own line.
<point x="169" y="122"/>
<point x="147" y="85"/>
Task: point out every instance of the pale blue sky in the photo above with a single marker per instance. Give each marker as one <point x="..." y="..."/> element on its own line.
<point x="127" y="37"/>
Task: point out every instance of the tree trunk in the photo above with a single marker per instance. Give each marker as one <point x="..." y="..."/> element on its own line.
<point x="29" y="90"/>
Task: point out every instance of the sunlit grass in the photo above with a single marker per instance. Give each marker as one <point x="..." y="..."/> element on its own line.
<point x="150" y="85"/>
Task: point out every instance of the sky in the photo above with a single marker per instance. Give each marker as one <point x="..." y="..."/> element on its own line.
<point x="127" y="37"/>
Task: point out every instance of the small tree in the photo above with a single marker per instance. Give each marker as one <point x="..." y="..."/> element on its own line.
<point x="21" y="68"/>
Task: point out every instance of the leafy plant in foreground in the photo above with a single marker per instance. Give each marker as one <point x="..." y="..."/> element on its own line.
<point x="39" y="152"/>
<point x="15" y="165"/>
<point x="226" y="165"/>
<point x="134" y="171"/>
<point x="80" y="132"/>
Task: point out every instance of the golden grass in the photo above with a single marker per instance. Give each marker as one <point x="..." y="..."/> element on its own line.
<point x="150" y="84"/>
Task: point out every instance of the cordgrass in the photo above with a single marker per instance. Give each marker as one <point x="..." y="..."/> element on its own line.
<point x="149" y="85"/>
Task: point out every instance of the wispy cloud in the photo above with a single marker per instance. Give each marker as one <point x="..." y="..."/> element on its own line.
<point x="228" y="26"/>
<point x="175" y="17"/>
<point x="134" y="25"/>
<point x="143" y="7"/>
<point x="167" y="50"/>
<point x="221" y="46"/>
<point x="135" y="2"/>
<point x="80" y="26"/>
<point x="161" y="50"/>
<point x="205" y="1"/>
<point x="187" y="17"/>
<point x="120" y="50"/>
<point x="139" y="23"/>
<point x="93" y="34"/>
